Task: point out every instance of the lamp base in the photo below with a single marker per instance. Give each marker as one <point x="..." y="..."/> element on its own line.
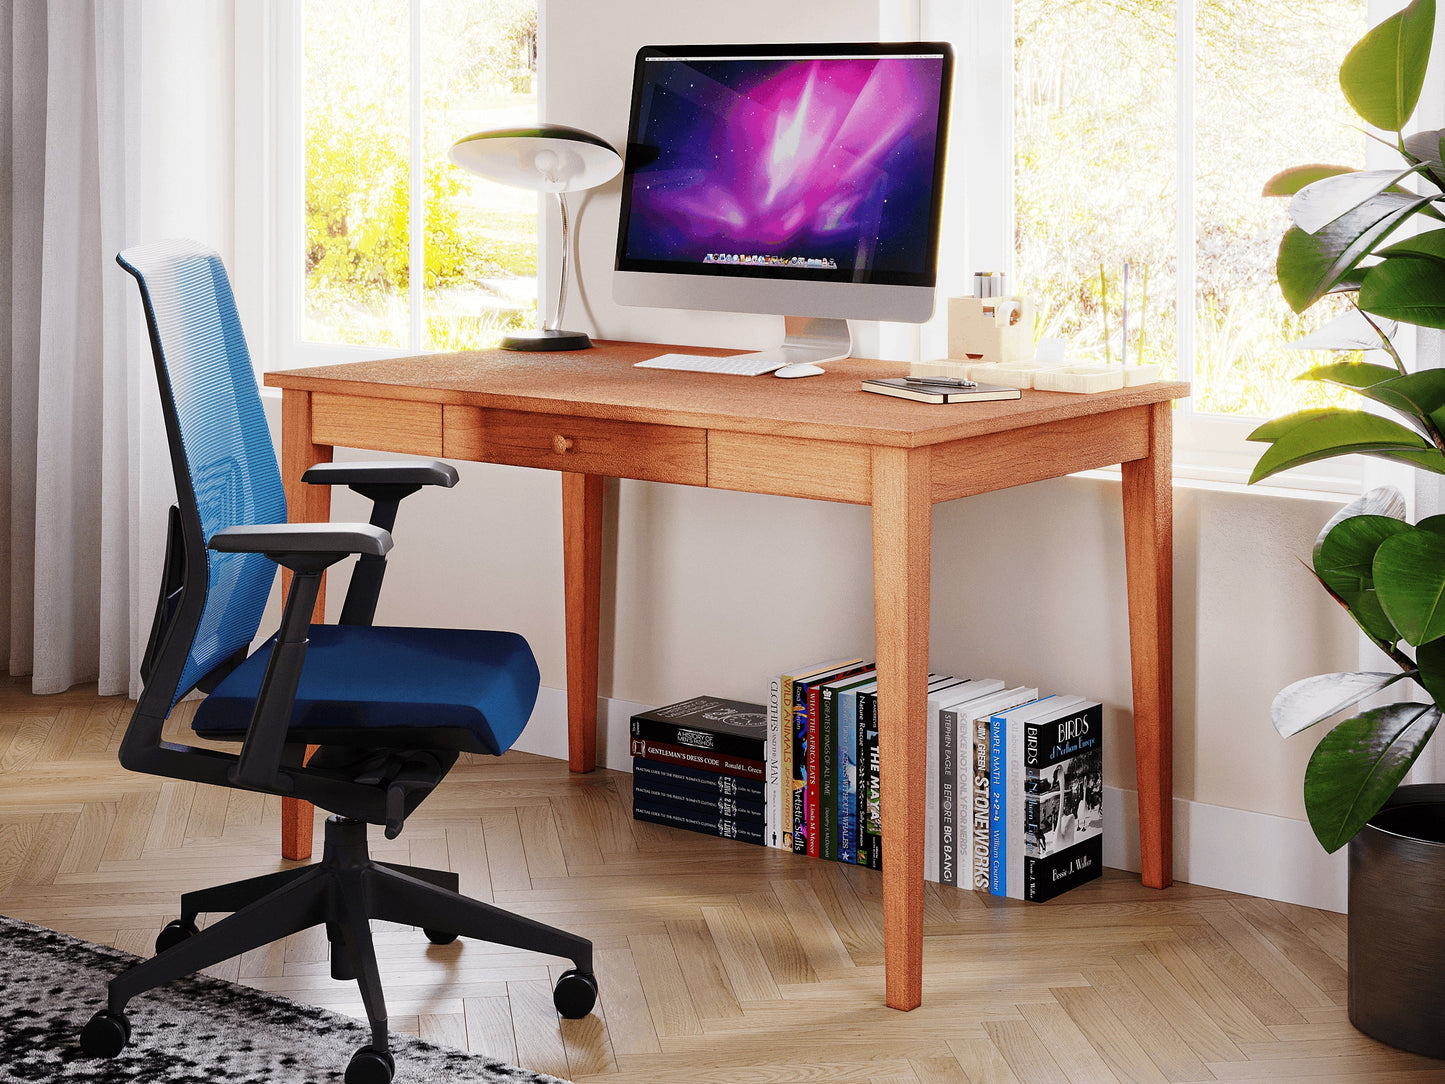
<point x="547" y="340"/>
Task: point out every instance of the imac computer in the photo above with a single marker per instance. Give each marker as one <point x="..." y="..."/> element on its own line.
<point x="798" y="180"/>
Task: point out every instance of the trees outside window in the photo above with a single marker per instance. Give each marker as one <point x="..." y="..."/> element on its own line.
<point x="387" y="87"/>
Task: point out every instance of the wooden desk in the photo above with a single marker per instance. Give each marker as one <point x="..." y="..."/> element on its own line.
<point x="591" y="415"/>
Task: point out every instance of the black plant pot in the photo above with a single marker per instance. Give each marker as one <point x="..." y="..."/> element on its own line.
<point x="1397" y="922"/>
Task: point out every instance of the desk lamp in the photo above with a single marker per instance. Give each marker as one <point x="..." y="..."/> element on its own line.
<point x="548" y="158"/>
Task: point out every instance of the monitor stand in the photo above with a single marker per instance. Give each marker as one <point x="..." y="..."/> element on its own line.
<point x="807" y="343"/>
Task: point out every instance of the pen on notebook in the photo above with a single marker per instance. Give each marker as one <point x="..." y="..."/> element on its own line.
<point x="941" y="381"/>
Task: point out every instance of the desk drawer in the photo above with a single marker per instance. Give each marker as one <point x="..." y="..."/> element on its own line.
<point x="379" y="425"/>
<point x="617" y="449"/>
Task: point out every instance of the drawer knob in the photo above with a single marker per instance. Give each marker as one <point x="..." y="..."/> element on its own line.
<point x="560" y="443"/>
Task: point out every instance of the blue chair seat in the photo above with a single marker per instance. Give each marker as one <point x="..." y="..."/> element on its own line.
<point x="388" y="681"/>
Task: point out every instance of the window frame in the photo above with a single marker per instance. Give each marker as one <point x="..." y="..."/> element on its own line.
<point x="270" y="176"/>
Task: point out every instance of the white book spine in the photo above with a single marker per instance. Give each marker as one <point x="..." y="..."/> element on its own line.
<point x="1014" y="811"/>
<point x="930" y="812"/>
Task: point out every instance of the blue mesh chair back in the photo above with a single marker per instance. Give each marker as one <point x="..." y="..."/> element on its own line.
<point x="225" y="465"/>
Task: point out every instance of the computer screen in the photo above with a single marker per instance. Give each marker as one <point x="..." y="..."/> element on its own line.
<point x="803" y="180"/>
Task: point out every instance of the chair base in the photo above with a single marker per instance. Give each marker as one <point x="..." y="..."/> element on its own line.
<point x="345" y="890"/>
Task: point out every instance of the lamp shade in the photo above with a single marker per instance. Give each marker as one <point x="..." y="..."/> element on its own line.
<point x="547" y="158"/>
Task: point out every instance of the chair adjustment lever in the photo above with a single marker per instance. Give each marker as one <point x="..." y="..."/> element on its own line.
<point x="402" y="775"/>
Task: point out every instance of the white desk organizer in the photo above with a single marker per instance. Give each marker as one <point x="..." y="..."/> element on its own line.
<point x="990" y="329"/>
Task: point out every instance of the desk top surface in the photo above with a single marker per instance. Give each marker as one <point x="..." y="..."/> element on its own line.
<point x="602" y="383"/>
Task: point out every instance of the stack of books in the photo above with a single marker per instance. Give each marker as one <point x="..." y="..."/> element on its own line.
<point x="700" y="765"/>
<point x="1014" y="801"/>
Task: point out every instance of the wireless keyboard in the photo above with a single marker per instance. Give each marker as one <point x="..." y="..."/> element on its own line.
<point x="737" y="365"/>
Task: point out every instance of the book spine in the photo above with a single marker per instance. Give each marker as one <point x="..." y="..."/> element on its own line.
<point x="868" y="717"/>
<point x="1067" y="842"/>
<point x="676" y="775"/>
<point x="860" y="785"/>
<point x="721" y="827"/>
<point x="947" y="798"/>
<point x="997" y="805"/>
<point x="801" y="751"/>
<point x="847" y="777"/>
<point x="828" y="774"/>
<point x="875" y="852"/>
<point x="785" y="763"/>
<point x="663" y="730"/>
<point x="772" y="827"/>
<point x="1014" y="812"/>
<point x="697" y="758"/>
<point x="712" y="805"/>
<point x="814" y="789"/>
<point x="980" y="816"/>
<point x="931" y="795"/>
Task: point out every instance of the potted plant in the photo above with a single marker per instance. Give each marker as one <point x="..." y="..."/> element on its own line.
<point x="1350" y="237"/>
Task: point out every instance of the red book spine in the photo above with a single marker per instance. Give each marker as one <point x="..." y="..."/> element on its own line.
<point x="815" y="789"/>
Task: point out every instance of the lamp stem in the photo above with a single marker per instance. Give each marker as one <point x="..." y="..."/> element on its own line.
<point x="556" y="323"/>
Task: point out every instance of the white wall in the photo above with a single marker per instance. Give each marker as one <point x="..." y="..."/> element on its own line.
<point x="710" y="591"/>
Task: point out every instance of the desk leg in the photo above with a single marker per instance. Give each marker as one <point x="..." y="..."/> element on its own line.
<point x="304" y="504"/>
<point x="902" y="519"/>
<point x="582" y="577"/>
<point x="1149" y="560"/>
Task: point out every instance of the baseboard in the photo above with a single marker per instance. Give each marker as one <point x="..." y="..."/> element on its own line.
<point x="1276" y="858"/>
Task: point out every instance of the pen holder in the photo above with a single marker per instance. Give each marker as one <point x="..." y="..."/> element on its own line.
<point x="991" y="329"/>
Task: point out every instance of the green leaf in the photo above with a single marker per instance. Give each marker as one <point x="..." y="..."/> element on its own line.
<point x="1289" y="181"/>
<point x="1357" y="766"/>
<point x="1417" y="394"/>
<point x="1315" y="699"/>
<point x="1408" y="289"/>
<point x="1345" y="558"/>
<point x="1338" y="432"/>
<point x="1366" y="613"/>
<point x="1430" y="244"/>
<point x="1380" y="501"/>
<point x="1317" y="205"/>
<point x="1432" y="523"/>
<point x="1309" y="265"/>
<point x="1273" y="429"/>
<point x="1344" y="561"/>
<point x="1409" y="574"/>
<point x="1430" y="658"/>
<point x="1383" y="73"/>
<point x="1351" y="374"/>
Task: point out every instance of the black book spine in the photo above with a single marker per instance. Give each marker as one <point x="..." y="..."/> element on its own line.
<point x="675" y="733"/>
<point x="874" y="857"/>
<point x="698" y="758"/>
<point x="667" y="775"/>
<point x="1045" y="878"/>
<point x="712" y="805"/>
<point x="721" y="827"/>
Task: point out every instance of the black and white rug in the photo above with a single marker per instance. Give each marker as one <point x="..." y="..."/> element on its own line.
<point x="193" y="1031"/>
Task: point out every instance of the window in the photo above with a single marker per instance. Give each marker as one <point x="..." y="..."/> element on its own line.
<point x="379" y="241"/>
<point x="1138" y="134"/>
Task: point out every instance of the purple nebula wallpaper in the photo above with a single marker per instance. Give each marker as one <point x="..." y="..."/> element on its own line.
<point x="818" y="167"/>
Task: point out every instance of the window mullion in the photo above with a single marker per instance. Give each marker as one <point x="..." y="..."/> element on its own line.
<point x="416" y="192"/>
<point x="1185" y="230"/>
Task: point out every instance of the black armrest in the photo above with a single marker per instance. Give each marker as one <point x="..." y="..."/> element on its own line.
<point x="418" y="472"/>
<point x="385" y="483"/>
<point x="280" y="539"/>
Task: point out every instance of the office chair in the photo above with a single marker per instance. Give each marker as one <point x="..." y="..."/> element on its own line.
<point x="389" y="709"/>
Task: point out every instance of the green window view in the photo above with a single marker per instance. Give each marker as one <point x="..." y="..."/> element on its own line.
<point x="1099" y="178"/>
<point x="362" y="126"/>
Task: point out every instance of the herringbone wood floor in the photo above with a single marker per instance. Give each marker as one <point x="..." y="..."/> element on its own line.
<point x="718" y="961"/>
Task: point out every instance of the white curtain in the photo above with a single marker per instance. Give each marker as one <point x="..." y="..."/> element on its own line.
<point x="118" y="130"/>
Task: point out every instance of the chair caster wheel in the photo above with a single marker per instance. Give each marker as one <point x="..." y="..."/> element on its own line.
<point x="105" y="1035"/>
<point x="575" y="994"/>
<point x="370" y="1066"/>
<point x="174" y="932"/>
<point x="439" y="937"/>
